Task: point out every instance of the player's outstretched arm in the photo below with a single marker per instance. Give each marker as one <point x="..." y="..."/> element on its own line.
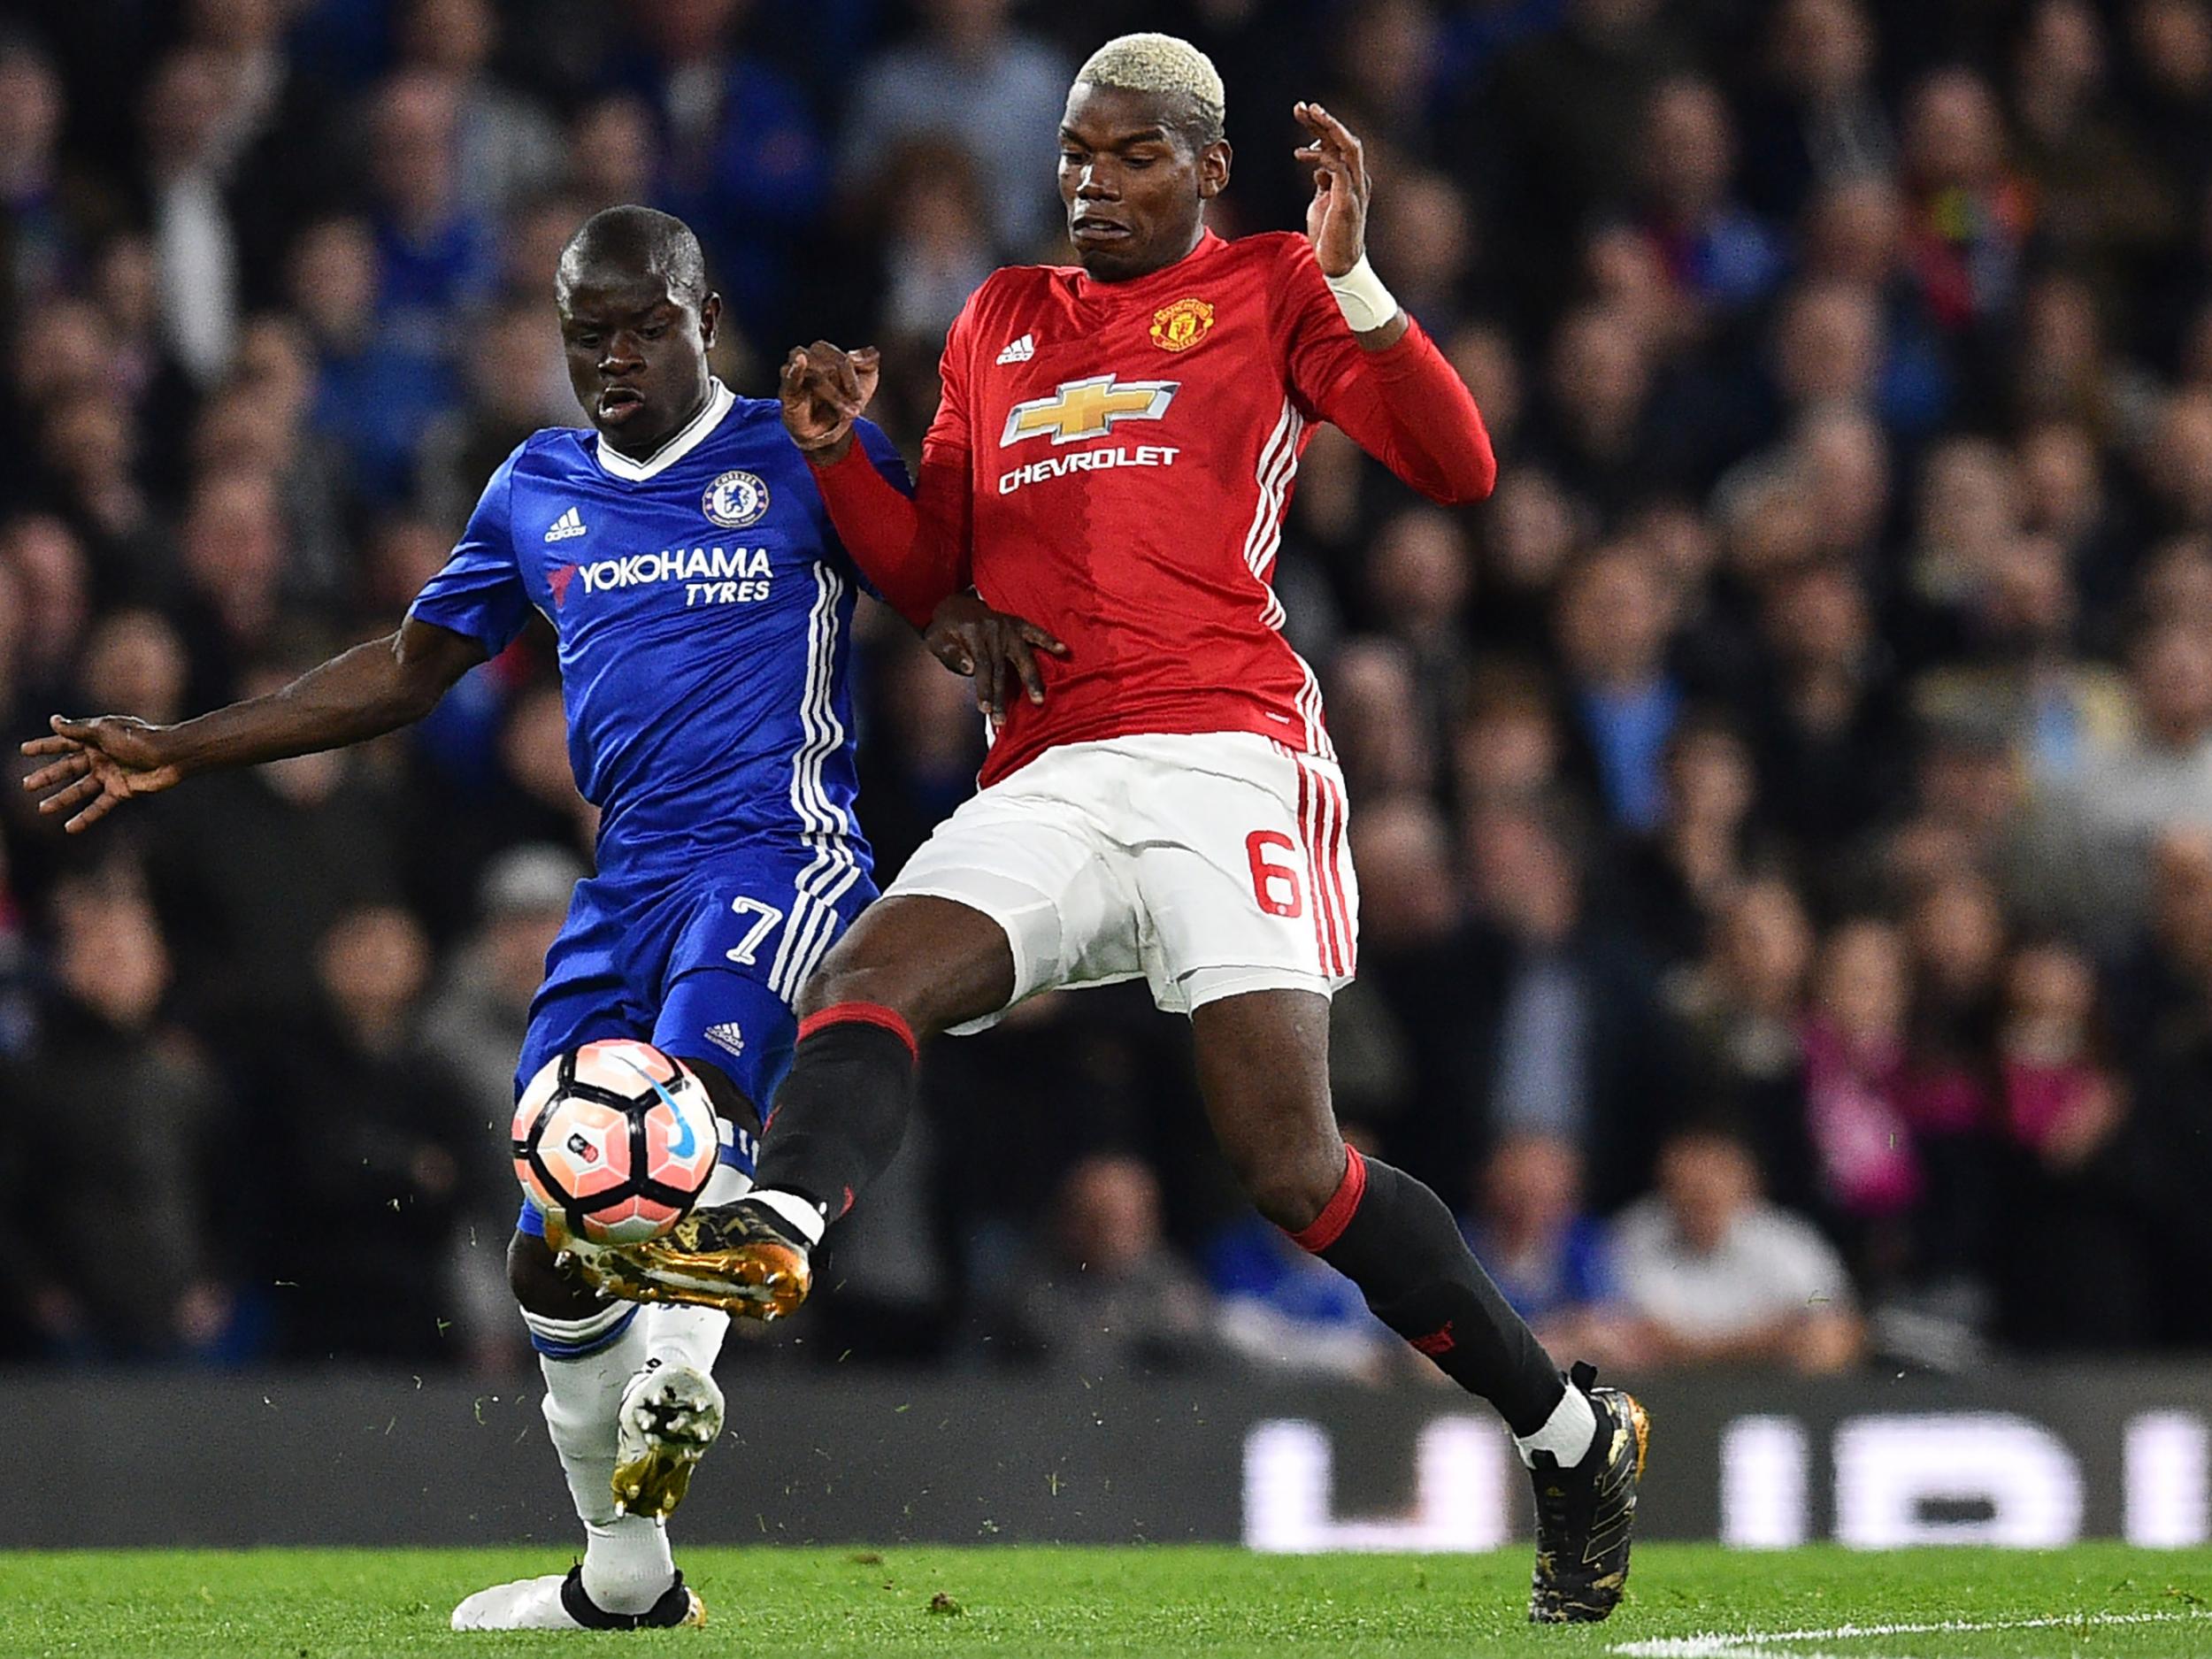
<point x="825" y="390"/>
<point x="95" y="765"/>
<point x="912" y="548"/>
<point x="1402" y="402"/>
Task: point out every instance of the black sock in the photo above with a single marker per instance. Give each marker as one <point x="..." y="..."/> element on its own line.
<point x="842" y="1112"/>
<point x="1393" y="1237"/>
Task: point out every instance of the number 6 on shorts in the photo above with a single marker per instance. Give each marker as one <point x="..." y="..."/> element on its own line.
<point x="1274" y="885"/>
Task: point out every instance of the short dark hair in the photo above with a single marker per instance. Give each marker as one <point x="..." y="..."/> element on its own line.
<point x="640" y="238"/>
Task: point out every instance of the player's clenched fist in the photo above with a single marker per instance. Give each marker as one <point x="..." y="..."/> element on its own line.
<point x="824" y="388"/>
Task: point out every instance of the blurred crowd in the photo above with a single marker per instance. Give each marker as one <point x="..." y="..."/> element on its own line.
<point x="1784" y="812"/>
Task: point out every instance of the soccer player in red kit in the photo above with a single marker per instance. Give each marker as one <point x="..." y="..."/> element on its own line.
<point x="1112" y="457"/>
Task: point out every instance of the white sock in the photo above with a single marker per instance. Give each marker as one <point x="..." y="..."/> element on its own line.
<point x="806" y="1219"/>
<point x="725" y="1186"/>
<point x="627" y="1563"/>
<point x="679" y="1335"/>
<point x="627" y="1566"/>
<point x="1567" y="1434"/>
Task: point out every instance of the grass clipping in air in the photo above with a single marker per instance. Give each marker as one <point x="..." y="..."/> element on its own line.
<point x="1685" y="1602"/>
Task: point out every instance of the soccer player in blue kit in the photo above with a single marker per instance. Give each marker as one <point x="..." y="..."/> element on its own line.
<point x="704" y="608"/>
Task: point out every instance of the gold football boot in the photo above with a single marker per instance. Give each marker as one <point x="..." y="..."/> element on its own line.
<point x="738" y="1257"/>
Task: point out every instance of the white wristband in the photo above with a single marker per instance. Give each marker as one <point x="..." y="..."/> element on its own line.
<point x="1360" y="295"/>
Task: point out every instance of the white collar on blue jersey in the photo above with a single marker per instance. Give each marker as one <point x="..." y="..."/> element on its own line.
<point x="720" y="400"/>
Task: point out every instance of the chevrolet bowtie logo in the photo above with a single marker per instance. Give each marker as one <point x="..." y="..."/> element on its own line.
<point x="1078" y="409"/>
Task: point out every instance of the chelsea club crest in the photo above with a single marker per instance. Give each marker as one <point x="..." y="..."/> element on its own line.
<point x="735" y="500"/>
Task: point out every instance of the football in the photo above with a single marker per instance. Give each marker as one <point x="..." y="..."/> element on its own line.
<point x="616" y="1140"/>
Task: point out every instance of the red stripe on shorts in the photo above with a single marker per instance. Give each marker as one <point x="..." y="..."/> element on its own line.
<point x="1330" y="833"/>
<point x="1312" y="831"/>
<point x="1305" y="842"/>
<point x="1349" y="959"/>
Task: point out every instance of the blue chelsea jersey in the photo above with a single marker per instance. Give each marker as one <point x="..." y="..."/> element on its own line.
<point x="704" y="608"/>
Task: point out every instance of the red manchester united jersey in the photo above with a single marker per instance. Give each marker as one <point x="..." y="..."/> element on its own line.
<point x="1113" y="461"/>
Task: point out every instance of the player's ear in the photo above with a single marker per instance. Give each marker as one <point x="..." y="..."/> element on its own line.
<point x="1213" y="169"/>
<point x="709" y="319"/>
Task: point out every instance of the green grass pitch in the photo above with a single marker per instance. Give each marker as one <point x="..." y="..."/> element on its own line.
<point x="1686" y="1602"/>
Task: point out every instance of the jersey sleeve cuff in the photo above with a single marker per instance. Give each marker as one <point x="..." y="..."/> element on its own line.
<point x="491" y="640"/>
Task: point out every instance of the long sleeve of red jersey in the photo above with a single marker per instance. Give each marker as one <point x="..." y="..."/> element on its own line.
<point x="1411" y="411"/>
<point x="1406" y="406"/>
<point x="916" y="551"/>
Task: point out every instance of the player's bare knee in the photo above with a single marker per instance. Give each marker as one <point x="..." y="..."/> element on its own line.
<point x="933" y="962"/>
<point x="1291" y="1185"/>
<point x="929" y="995"/>
<point x="1286" y="1198"/>
<point x="893" y="988"/>
<point x="829" y="987"/>
<point x="542" y="1286"/>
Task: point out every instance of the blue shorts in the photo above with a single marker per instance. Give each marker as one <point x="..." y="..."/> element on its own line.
<point x="704" y="965"/>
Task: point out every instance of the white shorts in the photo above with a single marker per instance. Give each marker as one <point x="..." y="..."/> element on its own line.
<point x="1212" y="865"/>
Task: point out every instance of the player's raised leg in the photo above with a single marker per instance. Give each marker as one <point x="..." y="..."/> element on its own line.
<point x="1262" y="1064"/>
<point x="910" y="967"/>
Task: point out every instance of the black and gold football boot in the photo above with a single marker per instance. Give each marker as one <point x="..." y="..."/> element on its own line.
<point x="740" y="1258"/>
<point x="1586" y="1516"/>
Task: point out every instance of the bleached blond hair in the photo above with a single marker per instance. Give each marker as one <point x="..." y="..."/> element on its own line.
<point x="1168" y="67"/>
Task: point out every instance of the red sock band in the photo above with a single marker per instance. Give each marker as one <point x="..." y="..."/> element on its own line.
<point x="1337" y="1214"/>
<point x="861" y="1014"/>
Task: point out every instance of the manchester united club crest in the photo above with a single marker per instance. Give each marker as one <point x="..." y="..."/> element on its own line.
<point x="1179" y="326"/>
<point x="735" y="500"/>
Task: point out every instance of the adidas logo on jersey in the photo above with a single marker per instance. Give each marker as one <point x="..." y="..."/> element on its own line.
<point x="568" y="524"/>
<point x="726" y="1036"/>
<point x="1020" y="351"/>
